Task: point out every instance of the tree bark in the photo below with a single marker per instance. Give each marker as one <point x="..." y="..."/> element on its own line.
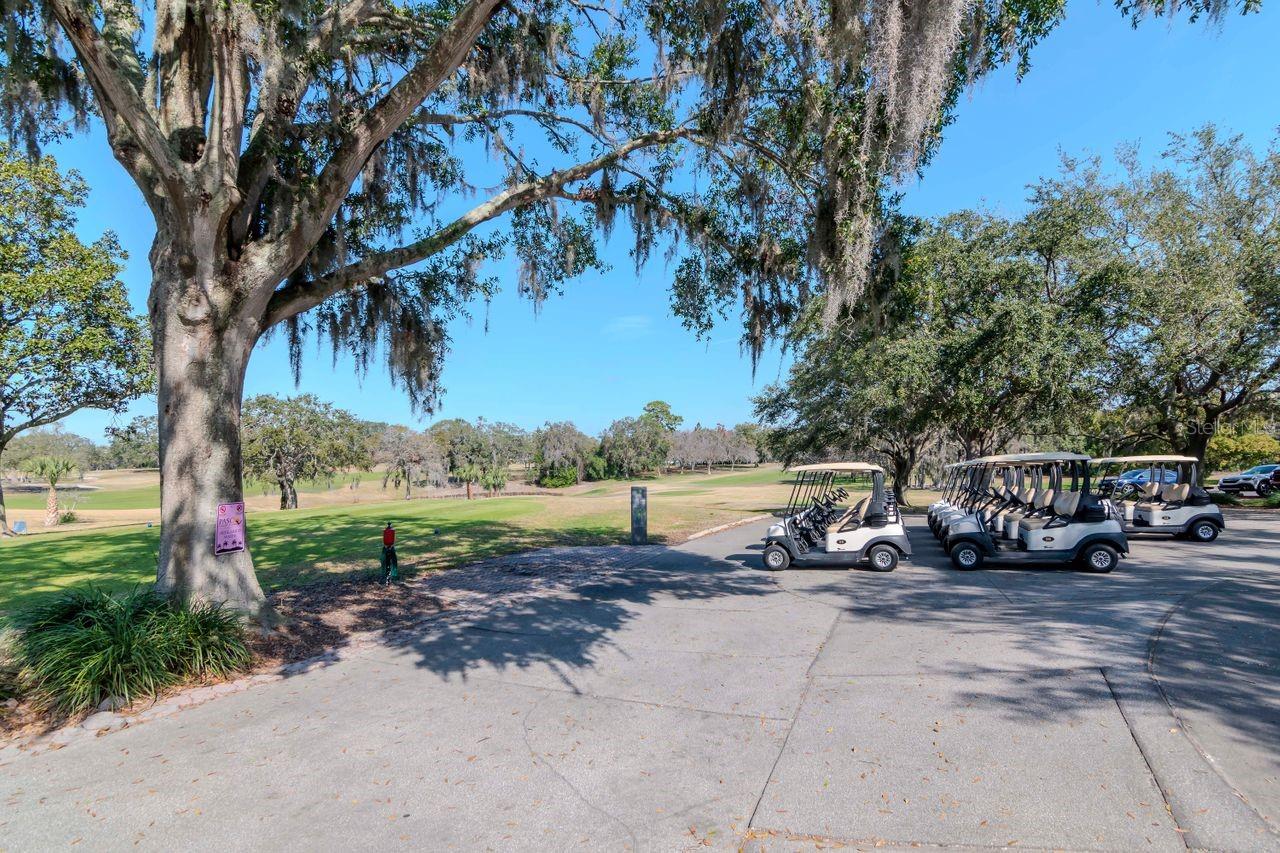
<point x="902" y="464"/>
<point x="288" y="494"/>
<point x="1196" y="443"/>
<point x="468" y="490"/>
<point x="51" y="507"/>
<point x="4" y="518"/>
<point x="200" y="361"/>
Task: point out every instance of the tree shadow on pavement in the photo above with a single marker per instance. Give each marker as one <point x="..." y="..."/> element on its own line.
<point x="1207" y="616"/>
<point x="559" y="608"/>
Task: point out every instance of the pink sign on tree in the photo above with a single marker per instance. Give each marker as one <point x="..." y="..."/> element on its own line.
<point x="230" y="533"/>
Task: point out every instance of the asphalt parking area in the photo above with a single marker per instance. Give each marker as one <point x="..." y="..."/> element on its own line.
<point x="658" y="698"/>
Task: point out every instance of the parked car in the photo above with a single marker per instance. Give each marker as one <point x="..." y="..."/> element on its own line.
<point x="1259" y="479"/>
<point x="1131" y="482"/>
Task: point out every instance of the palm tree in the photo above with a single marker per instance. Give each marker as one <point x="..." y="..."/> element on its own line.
<point x="50" y="469"/>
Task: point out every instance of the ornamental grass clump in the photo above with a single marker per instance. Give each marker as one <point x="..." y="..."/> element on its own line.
<point x="88" y="645"/>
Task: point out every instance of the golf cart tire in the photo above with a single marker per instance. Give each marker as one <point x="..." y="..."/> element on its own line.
<point x="966" y="556"/>
<point x="883" y="558"/>
<point x="1203" y="531"/>
<point x="776" y="558"/>
<point x="1099" y="558"/>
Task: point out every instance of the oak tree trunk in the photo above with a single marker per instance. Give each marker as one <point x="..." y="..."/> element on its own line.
<point x="288" y="495"/>
<point x="201" y="357"/>
<point x="1196" y="443"/>
<point x="902" y="465"/>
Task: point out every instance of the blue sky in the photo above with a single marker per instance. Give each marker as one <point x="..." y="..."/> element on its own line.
<point x="610" y="344"/>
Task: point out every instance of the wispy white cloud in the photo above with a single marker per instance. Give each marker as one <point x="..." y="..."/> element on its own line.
<point x="628" y="326"/>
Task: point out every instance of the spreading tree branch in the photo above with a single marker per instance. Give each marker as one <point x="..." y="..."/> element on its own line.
<point x="330" y="189"/>
<point x="121" y="102"/>
<point x="285" y="81"/>
<point x="296" y="297"/>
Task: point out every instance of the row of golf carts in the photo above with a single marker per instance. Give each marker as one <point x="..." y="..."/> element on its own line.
<point x="1046" y="508"/>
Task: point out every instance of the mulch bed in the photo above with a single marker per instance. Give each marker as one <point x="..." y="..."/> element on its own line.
<point x="306" y="622"/>
<point x="310" y="620"/>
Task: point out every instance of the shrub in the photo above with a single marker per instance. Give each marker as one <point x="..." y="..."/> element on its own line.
<point x="559" y="477"/>
<point x="1224" y="499"/>
<point x="86" y="646"/>
<point x="1237" y="452"/>
<point x="8" y="667"/>
<point x="596" y="467"/>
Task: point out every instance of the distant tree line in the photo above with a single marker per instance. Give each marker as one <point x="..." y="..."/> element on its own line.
<point x="289" y="440"/>
<point x="1121" y="314"/>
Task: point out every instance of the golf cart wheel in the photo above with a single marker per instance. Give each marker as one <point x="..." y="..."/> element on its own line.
<point x="776" y="558"/>
<point x="1265" y="488"/>
<point x="1099" y="558"/>
<point x="883" y="558"/>
<point x="966" y="556"/>
<point x="1204" y="531"/>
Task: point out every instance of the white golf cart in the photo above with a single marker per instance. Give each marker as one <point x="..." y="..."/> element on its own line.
<point x="1036" y="508"/>
<point x="955" y="489"/>
<point x="1166" y="498"/>
<point x="818" y="529"/>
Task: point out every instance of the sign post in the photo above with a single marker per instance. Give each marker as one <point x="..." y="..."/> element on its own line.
<point x="639" y="515"/>
<point x="229" y="536"/>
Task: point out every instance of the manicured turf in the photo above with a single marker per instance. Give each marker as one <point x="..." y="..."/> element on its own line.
<point x="748" y="477"/>
<point x="295" y="547"/>
<point x="143" y="497"/>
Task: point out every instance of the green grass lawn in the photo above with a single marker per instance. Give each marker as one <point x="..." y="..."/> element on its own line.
<point x="297" y="547"/>
<point x="142" y="497"/>
<point x="747" y="477"/>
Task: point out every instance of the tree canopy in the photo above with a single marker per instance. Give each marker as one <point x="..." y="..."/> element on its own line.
<point x="1121" y="313"/>
<point x="409" y="457"/>
<point x="134" y="445"/>
<point x="328" y="169"/>
<point x="68" y="337"/>
<point x="299" y="438"/>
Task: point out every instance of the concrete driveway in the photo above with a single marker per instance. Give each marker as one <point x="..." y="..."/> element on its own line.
<point x="656" y="698"/>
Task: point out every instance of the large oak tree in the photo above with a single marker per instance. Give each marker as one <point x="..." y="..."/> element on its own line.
<point x="300" y="161"/>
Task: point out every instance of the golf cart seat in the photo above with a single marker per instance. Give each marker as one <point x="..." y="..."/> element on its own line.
<point x="1148" y="494"/>
<point x="1174" y="495"/>
<point x="1056" y="506"/>
<point x="1064" y="510"/>
<point x="869" y="511"/>
<point x="1156" y="495"/>
<point x="1033" y="514"/>
<point x="849" y="519"/>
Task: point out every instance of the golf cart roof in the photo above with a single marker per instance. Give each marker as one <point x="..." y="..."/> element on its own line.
<point x="842" y="467"/>
<point x="1014" y="458"/>
<point x="1056" y="456"/>
<point x="1150" y="458"/>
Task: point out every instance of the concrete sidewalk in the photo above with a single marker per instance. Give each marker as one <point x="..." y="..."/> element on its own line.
<point x="672" y="698"/>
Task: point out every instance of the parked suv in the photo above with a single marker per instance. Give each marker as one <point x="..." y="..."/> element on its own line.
<point x="1259" y="479"/>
